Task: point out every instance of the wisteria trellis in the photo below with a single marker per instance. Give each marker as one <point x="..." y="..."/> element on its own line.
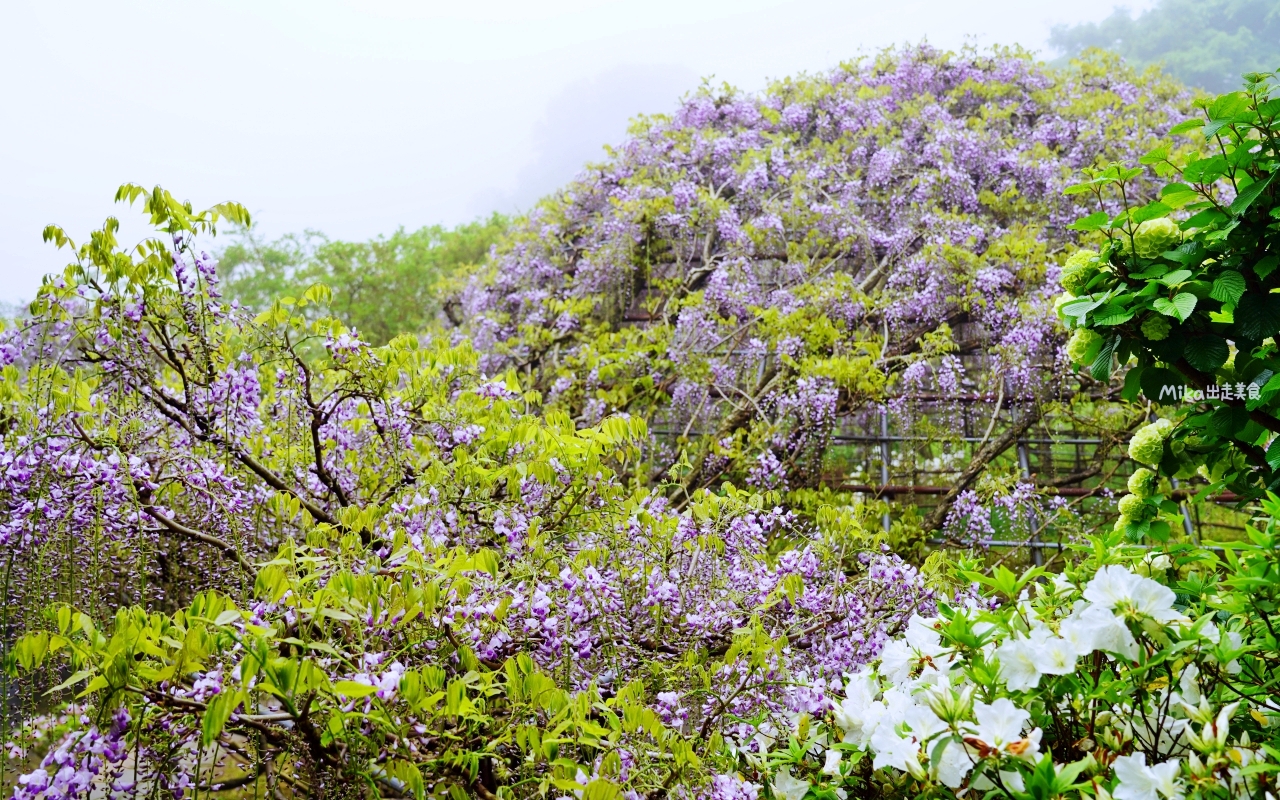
<point x="755" y="273"/>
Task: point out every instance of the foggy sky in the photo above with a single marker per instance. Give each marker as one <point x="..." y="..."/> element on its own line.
<point x="355" y="118"/>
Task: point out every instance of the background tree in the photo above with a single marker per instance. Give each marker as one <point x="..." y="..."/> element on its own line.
<point x="1206" y="43"/>
<point x="382" y="288"/>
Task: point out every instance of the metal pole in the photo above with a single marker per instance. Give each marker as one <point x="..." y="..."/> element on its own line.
<point x="885" y="521"/>
<point x="1187" y="527"/>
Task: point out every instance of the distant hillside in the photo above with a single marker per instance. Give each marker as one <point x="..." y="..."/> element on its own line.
<point x="1205" y="43"/>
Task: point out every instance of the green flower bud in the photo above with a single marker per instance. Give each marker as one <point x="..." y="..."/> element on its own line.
<point x="1132" y="507"/>
<point x="1079" y="270"/>
<point x="1147" y="445"/>
<point x="1156" y="327"/>
<point x="1143" y="482"/>
<point x="1155" y="236"/>
<point x="1084" y="346"/>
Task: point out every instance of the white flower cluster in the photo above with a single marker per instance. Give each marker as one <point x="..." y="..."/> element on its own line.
<point x="910" y="713"/>
<point x="918" y="711"/>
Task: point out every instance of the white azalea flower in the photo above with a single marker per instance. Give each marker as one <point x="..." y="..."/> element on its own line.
<point x="922" y="636"/>
<point x="763" y="739"/>
<point x="788" y="787"/>
<point x="1236" y="641"/>
<point x="832" y="765"/>
<point x="1188" y="688"/>
<point x="894" y="751"/>
<point x="1208" y="630"/>
<point x="953" y="766"/>
<point x="1000" y="726"/>
<point x="1140" y="782"/>
<point x="999" y="723"/>
<point x="1018" y="668"/>
<point x="1055" y="656"/>
<point x="1011" y="780"/>
<point x="858" y="712"/>
<point x="1124" y="593"/>
<point x="1095" y="627"/>
<point x="895" y="661"/>
<point x="923" y="722"/>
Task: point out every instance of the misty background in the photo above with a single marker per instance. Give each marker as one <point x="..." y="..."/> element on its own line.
<point x="355" y="118"/>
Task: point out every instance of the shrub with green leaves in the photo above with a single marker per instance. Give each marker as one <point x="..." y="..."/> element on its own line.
<point x="1184" y="288"/>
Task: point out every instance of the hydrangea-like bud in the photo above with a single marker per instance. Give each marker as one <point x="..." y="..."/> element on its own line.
<point x="1155" y="236"/>
<point x="1084" y="346"/>
<point x="1079" y="270"/>
<point x="1143" y="482"/>
<point x="1132" y="507"/>
<point x="1156" y="327"/>
<point x="1147" y="445"/>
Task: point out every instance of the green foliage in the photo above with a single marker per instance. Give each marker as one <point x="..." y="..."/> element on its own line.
<point x="382" y="287"/>
<point x="1197" y="267"/>
<point x="1206" y="43"/>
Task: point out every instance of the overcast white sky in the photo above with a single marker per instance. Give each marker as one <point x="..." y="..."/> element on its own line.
<point x="355" y="118"/>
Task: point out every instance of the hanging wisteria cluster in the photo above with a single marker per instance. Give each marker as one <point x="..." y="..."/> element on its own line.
<point x="752" y="269"/>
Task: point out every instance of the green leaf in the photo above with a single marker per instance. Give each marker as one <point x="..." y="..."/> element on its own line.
<point x="74" y="679"/>
<point x="1273" y="454"/>
<point x="98" y="682"/>
<point x="1205" y="170"/>
<point x="1132" y="385"/>
<point x="1177" y="195"/>
<point x="1080" y="308"/>
<point x="1249" y="194"/>
<point x="1101" y="367"/>
<point x="1207" y="353"/>
<point x="216" y="715"/>
<point x="1257" y="315"/>
<point x="1228" y="287"/>
<point x="1180" y="306"/>
<point x="1186" y="126"/>
<point x="1189" y="254"/>
<point x="601" y="789"/>
<point x="1155" y="156"/>
<point x="1175" y="277"/>
<point x="1095" y="221"/>
<point x="1267" y="265"/>
<point x="1113" y="314"/>
<point x="1149" y="211"/>
<point x="1225" y="421"/>
<point x="227" y="617"/>
<point x="1228" y="106"/>
<point x="1067" y="775"/>
<point x="408" y="773"/>
<point x="1162" y="385"/>
<point x="1205" y="219"/>
<point x="354" y="689"/>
